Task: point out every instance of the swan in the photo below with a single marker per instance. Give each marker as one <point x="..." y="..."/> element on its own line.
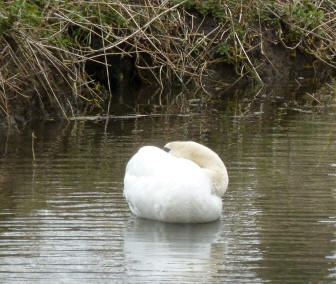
<point x="181" y="183"/>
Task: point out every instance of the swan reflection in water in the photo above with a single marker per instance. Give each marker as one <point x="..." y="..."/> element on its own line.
<point x="160" y="251"/>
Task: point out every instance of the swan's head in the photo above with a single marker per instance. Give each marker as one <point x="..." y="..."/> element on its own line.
<point x="207" y="159"/>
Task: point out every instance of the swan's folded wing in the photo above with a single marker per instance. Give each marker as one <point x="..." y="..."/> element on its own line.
<point x="157" y="184"/>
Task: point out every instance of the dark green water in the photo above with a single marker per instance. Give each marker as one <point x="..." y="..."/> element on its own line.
<point x="63" y="218"/>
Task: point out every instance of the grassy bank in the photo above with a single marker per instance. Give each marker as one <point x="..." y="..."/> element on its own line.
<point x="60" y="58"/>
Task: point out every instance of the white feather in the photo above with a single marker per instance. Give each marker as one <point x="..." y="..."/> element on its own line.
<point x="160" y="186"/>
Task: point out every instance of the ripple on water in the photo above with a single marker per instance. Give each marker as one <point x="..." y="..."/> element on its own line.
<point x="63" y="218"/>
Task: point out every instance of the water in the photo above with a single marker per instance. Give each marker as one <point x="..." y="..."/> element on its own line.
<point x="63" y="218"/>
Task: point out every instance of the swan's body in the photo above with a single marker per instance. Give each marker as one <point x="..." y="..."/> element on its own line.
<point x="182" y="186"/>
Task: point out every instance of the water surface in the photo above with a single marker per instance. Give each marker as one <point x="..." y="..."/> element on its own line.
<point x="63" y="218"/>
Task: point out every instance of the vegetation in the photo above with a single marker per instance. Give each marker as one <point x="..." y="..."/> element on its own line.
<point x="47" y="46"/>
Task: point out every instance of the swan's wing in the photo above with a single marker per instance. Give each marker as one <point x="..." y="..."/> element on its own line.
<point x="154" y="166"/>
<point x="156" y="183"/>
<point x="148" y="161"/>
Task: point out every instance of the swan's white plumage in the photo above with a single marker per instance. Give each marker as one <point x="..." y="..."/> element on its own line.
<point x="161" y="186"/>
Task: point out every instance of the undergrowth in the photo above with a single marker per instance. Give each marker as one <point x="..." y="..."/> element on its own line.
<point x="46" y="44"/>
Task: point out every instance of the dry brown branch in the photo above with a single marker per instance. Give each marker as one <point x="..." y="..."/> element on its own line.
<point x="168" y="44"/>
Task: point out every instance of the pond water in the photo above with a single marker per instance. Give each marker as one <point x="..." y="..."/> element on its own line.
<point x="63" y="217"/>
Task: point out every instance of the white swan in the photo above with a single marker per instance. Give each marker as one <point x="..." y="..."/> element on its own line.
<point x="183" y="183"/>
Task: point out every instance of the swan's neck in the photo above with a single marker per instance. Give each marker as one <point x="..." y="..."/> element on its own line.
<point x="219" y="179"/>
<point x="207" y="159"/>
